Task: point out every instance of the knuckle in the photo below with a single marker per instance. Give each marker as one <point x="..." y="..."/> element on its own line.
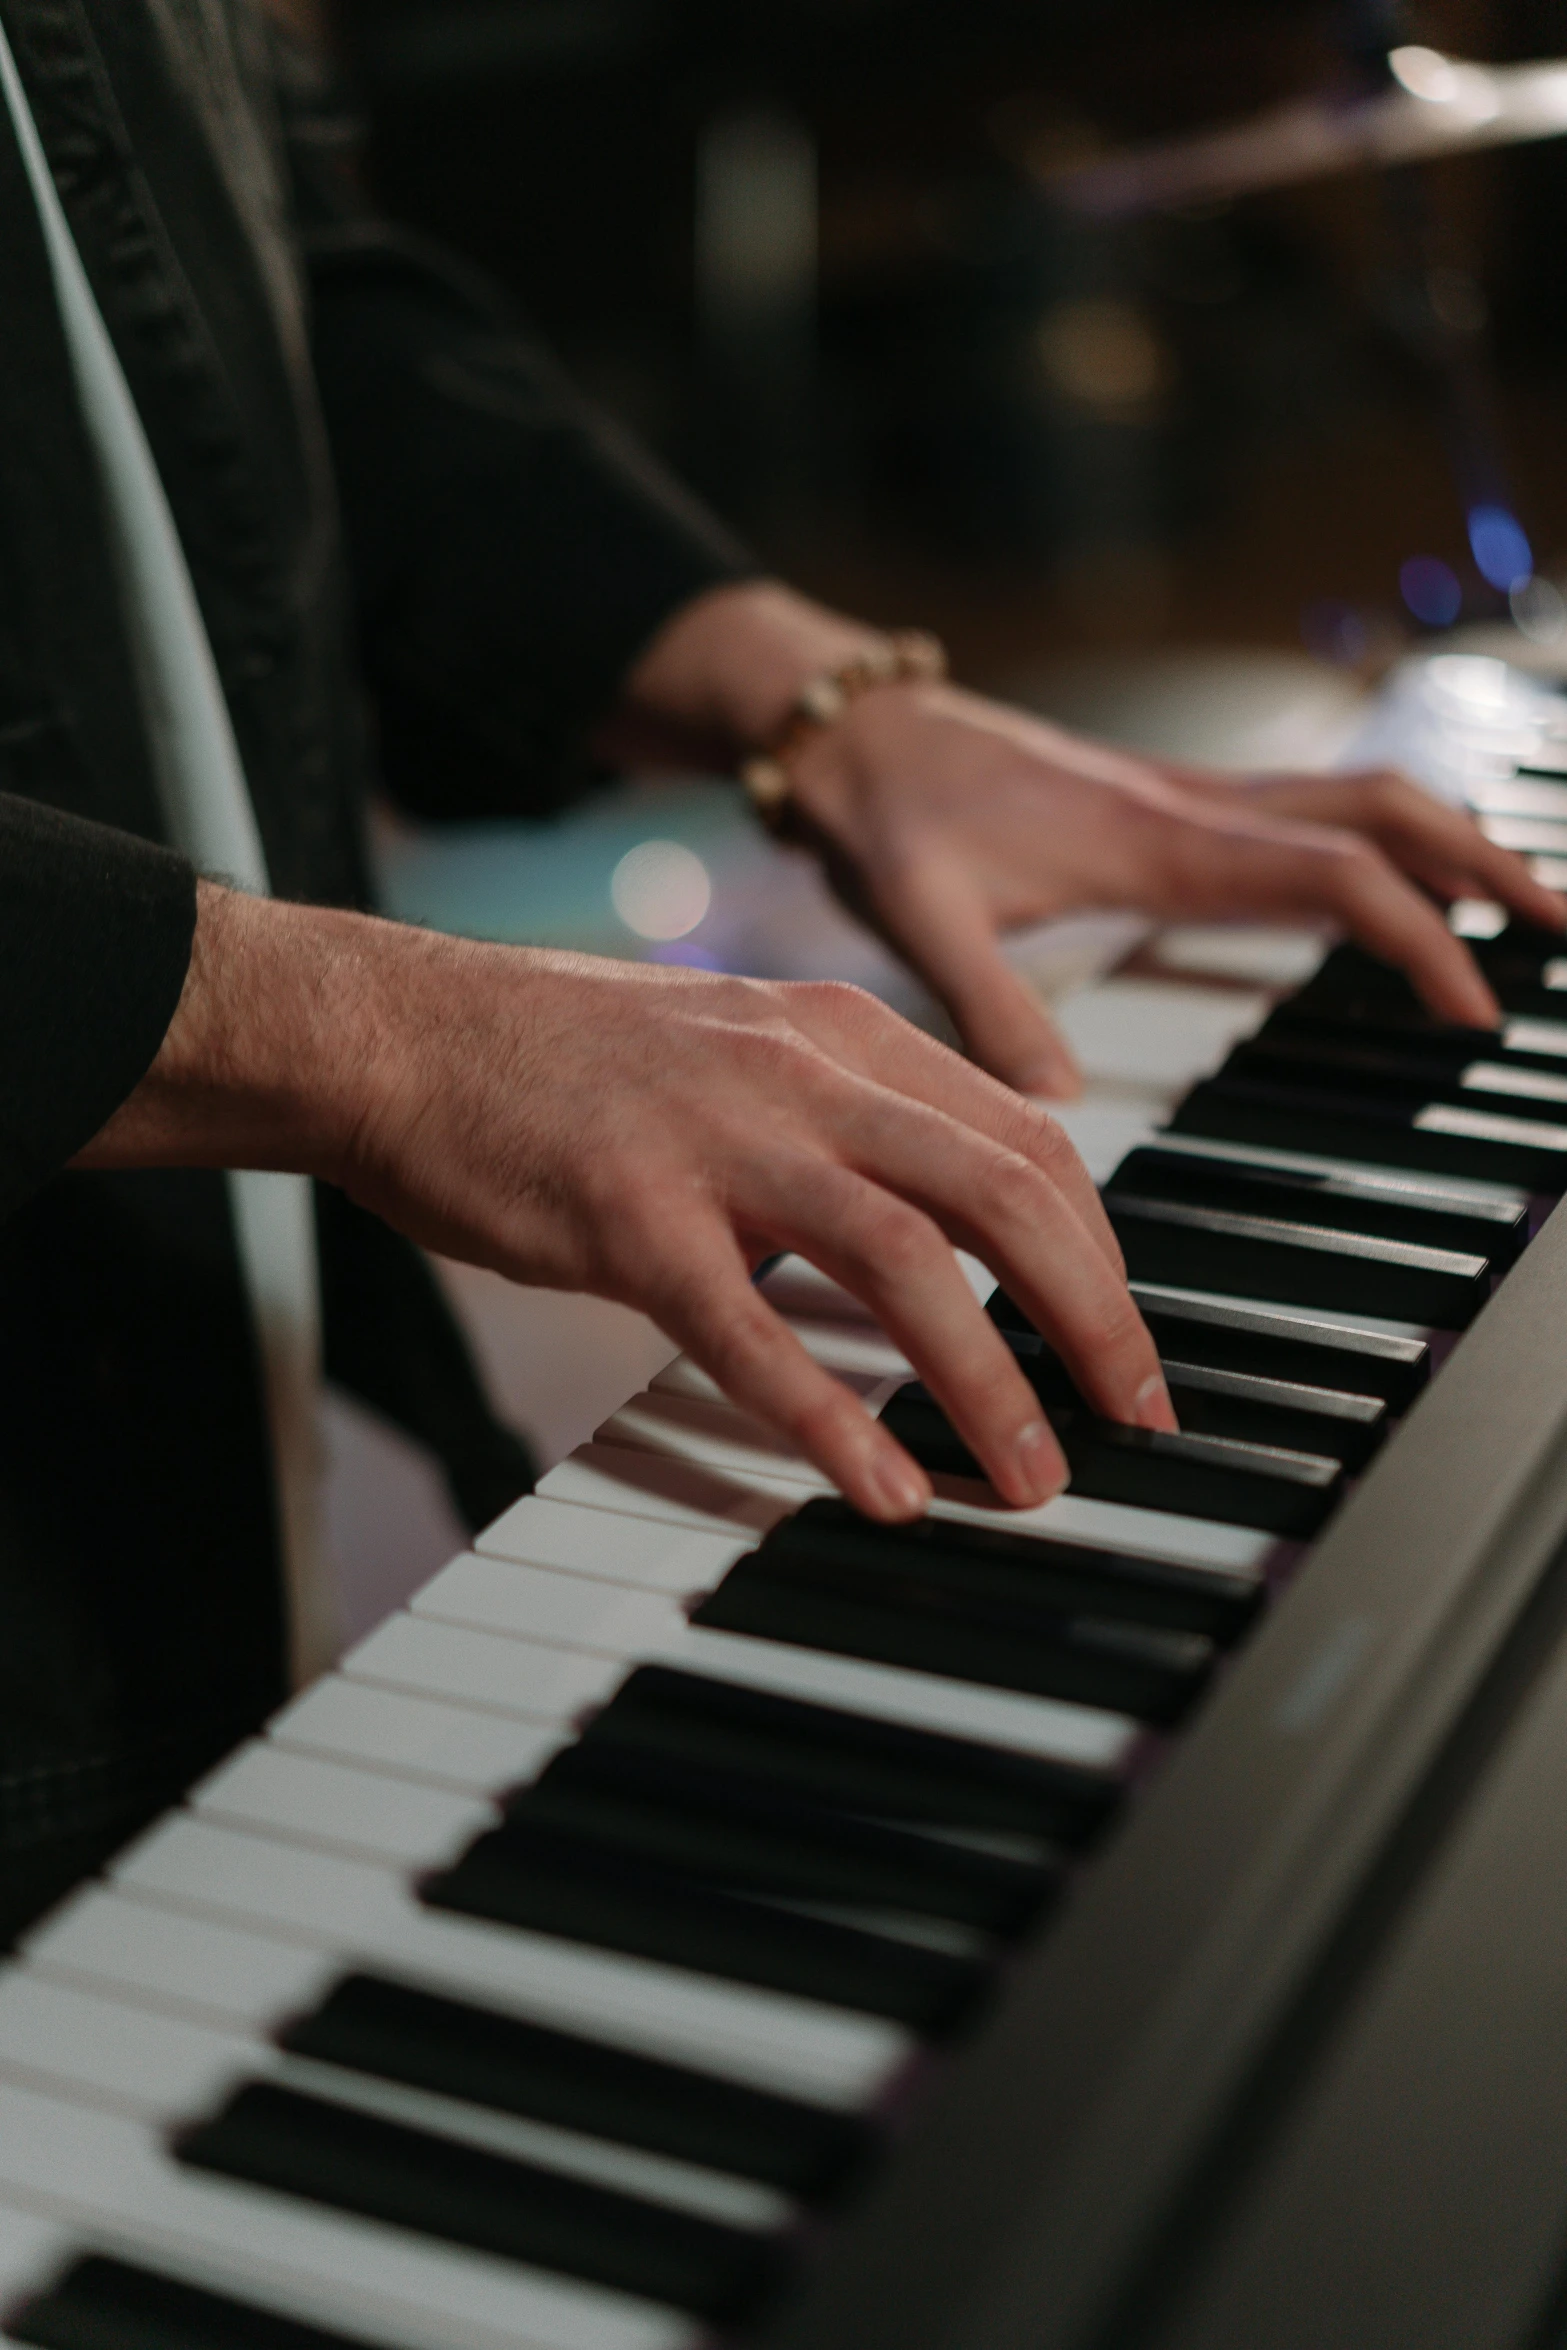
<point x="839" y="999"/>
<point x="897" y="1241"/>
<point x="1008" y="1190"/>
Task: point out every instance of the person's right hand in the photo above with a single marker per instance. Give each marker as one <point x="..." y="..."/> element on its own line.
<point x="651" y="1135"/>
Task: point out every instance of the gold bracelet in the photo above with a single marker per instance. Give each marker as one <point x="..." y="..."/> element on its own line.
<point x="908" y="654"/>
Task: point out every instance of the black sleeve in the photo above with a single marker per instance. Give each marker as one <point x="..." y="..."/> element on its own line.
<point x="512" y="551"/>
<point x="95" y="940"/>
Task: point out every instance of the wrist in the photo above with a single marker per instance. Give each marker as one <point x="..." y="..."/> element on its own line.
<point x="734" y="663"/>
<point x="275" y="1056"/>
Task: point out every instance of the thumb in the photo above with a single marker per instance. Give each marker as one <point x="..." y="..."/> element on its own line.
<point x="942" y="927"/>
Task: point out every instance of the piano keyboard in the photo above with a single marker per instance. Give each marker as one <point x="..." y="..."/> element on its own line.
<point x="560" y="1971"/>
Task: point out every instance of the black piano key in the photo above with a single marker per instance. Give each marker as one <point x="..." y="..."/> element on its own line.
<point x="1154" y="1676"/>
<point x="1401" y="1073"/>
<point x="275" y="2137"/>
<point x="398" y="2033"/>
<point x="980" y="1565"/>
<point x="1496" y="1229"/>
<point x="1343" y="1427"/>
<point x="1520" y="1043"/>
<point x="533" y="1877"/>
<point x="855" y="1764"/>
<point x="1296" y="1264"/>
<point x="744" y="1835"/>
<point x="1437" y="1138"/>
<point x="1270" y="1341"/>
<point x="1212" y="1477"/>
<point x="1525" y="967"/>
<point x="105" y="2304"/>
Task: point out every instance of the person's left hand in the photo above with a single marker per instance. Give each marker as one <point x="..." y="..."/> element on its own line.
<point x="946" y="820"/>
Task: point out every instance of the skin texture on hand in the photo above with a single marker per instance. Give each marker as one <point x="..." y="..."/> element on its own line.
<point x="650" y="1136"/>
<point x="945" y="820"/>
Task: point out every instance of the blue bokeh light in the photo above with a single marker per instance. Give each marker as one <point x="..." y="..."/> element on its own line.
<point x="1501" y="550"/>
<point x="1431" y="590"/>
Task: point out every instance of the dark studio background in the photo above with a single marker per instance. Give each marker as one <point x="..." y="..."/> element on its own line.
<point x="1036" y="435"/>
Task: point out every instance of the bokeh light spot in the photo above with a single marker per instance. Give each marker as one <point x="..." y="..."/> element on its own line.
<point x="661" y="889"/>
<point x="1500" y="548"/>
<point x="1430" y="588"/>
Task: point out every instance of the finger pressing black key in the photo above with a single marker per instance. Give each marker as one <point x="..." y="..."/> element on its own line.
<point x="534" y="1877"/>
<point x="1195" y="1476"/>
<point x="104" y="2304"/>
<point x="853" y="1764"/>
<point x="411" y="2178"/>
<point x="1209" y="1402"/>
<point x="743" y="1835"/>
<point x="398" y="2033"/>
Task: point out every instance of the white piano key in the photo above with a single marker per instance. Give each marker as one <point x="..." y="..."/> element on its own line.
<point x="1255" y="954"/>
<point x="341" y="1808"/>
<point x="1520" y="795"/>
<point x="802" y="1292"/>
<point x="1162" y="1038"/>
<point x="669" y="1492"/>
<point x="1114" y="1525"/>
<point x="1538" y="1085"/>
<point x="713" y="1434"/>
<point x="557" y="1610"/>
<point x="366" y="1916"/>
<point x="76" y="2042"/>
<point x="1536" y="1036"/>
<point x="546" y="1685"/>
<point x="861" y="1357"/>
<point x="419" y="1737"/>
<point x="1039" y="1726"/>
<point x="96" y="2169"/>
<point x="189" y="1966"/>
<point x="657" y="2178"/>
<point x="1103" y="1127"/>
<point x="652" y="1556"/>
<point x="1488" y="1125"/>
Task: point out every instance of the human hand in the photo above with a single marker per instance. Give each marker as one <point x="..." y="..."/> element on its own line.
<point x="946" y="820"/>
<point x="650" y="1136"/>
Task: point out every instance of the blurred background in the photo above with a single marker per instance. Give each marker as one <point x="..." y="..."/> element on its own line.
<point x="1195" y="473"/>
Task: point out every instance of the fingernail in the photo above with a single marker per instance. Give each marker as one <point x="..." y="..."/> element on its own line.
<point x="1038" y="1462"/>
<point x="1053" y="1081"/>
<point x="1152" y="1408"/>
<point x="899" y="1490"/>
